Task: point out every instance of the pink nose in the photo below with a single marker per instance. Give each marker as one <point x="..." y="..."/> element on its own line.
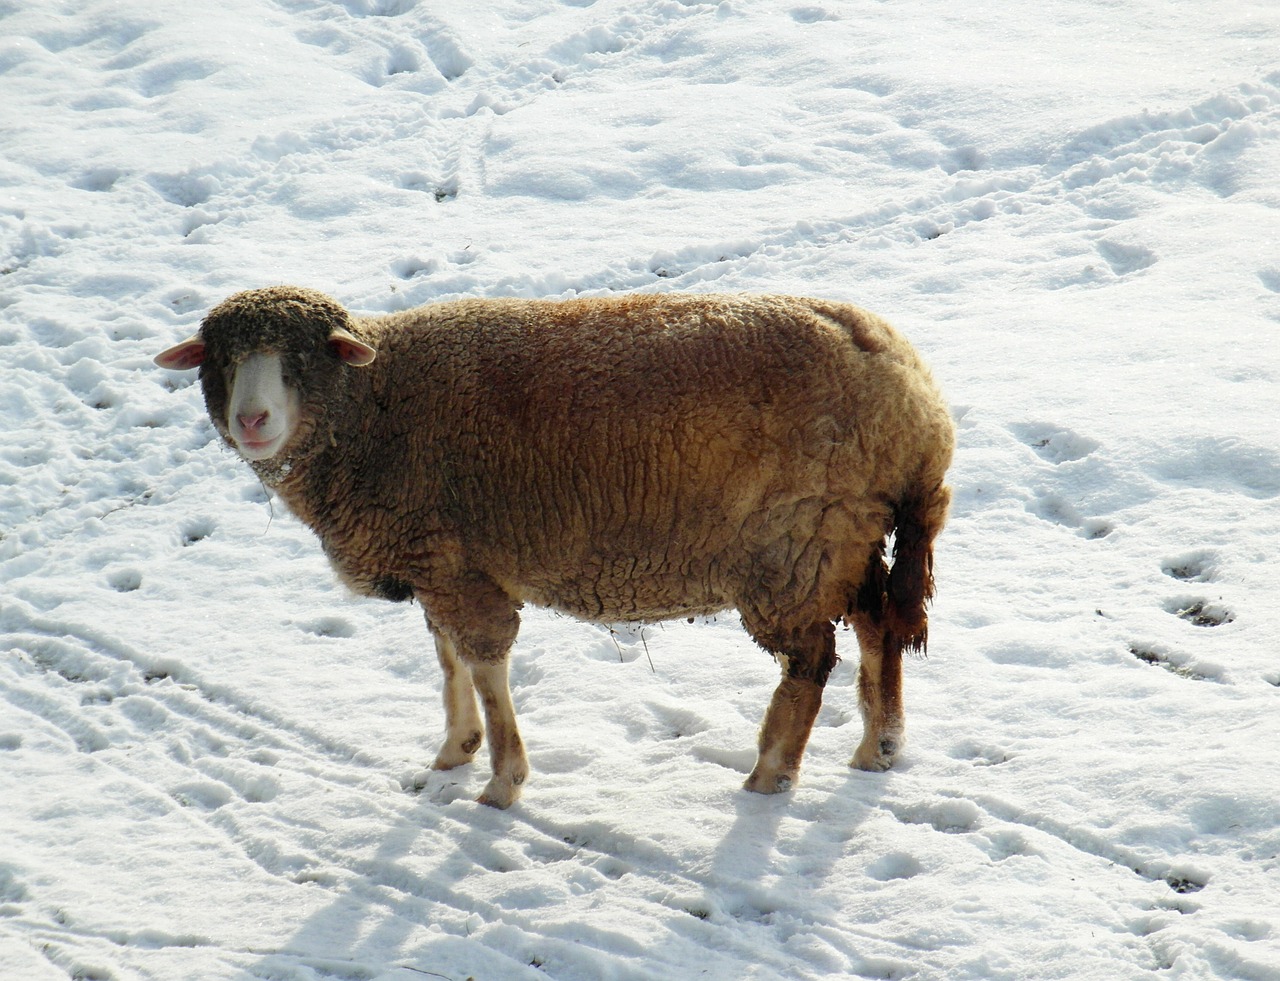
<point x="250" y="423"/>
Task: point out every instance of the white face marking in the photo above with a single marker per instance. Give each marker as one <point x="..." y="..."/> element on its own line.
<point x="262" y="411"/>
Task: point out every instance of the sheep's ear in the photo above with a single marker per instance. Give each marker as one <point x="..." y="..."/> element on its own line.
<point x="351" y="349"/>
<point x="180" y="357"/>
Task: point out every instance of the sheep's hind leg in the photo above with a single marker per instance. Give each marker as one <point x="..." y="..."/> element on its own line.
<point x="792" y="710"/>
<point x="463" y="730"/>
<point x="879" y="696"/>
<point x="506" y="749"/>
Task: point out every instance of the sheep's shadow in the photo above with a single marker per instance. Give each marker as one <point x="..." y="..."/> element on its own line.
<point x="400" y="912"/>
<point x="784" y="845"/>
<point x="410" y="903"/>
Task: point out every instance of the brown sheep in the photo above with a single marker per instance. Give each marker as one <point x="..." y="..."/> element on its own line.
<point x="632" y="458"/>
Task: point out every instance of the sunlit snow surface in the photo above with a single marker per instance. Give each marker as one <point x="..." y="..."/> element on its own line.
<point x="1072" y="208"/>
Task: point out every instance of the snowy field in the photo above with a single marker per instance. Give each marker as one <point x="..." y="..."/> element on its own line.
<point x="1072" y="208"/>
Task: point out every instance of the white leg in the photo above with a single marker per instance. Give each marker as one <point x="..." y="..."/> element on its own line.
<point x="506" y="750"/>
<point x="463" y="731"/>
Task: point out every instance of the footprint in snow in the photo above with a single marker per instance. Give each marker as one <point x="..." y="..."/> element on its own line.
<point x="1198" y="566"/>
<point x="1054" y="444"/>
<point x="125" y="580"/>
<point x="197" y="531"/>
<point x="1056" y="509"/>
<point x="676" y="722"/>
<point x="895" y="865"/>
<point x="812" y="15"/>
<point x="1199" y="612"/>
<point x="979" y="754"/>
<point x="98" y="179"/>
<point x="950" y="816"/>
<point x="378" y="8"/>
<point x="329" y="627"/>
<point x="1005" y="844"/>
<point x="450" y="60"/>
<point x="1060" y="446"/>
<point x="1178" y="664"/>
<point x="187" y="189"/>
<point x="1126" y="257"/>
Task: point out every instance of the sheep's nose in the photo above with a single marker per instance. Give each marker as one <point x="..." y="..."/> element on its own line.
<point x="252" y="422"/>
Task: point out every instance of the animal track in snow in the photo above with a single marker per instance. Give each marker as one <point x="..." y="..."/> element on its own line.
<point x="1053" y="443"/>
<point x="197" y="531"/>
<point x="1195" y="566"/>
<point x="411" y="267"/>
<point x="445" y="189"/>
<point x="402" y="60"/>
<point x="1125" y="258"/>
<point x="990" y="813"/>
<point x="677" y="721"/>
<point x="125" y="580"/>
<point x="329" y="627"/>
<point x="951" y="815"/>
<point x="1177" y="664"/>
<point x="378" y="8"/>
<point x="1060" y="447"/>
<point x="1249" y="930"/>
<point x="186" y="190"/>
<point x="98" y="179"/>
<point x="449" y="58"/>
<point x="895" y="865"/>
<point x="1199" y="612"/>
<point x="164" y="76"/>
<point x="1052" y="507"/>
<point x="979" y="755"/>
<point x="1185" y="883"/>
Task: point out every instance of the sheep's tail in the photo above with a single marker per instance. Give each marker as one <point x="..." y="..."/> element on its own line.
<point x="895" y="596"/>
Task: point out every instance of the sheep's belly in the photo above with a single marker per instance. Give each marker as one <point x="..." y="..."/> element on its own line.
<point x="628" y="598"/>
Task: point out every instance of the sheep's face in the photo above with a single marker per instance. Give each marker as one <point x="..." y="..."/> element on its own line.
<point x="269" y="361"/>
<point x="262" y="411"/>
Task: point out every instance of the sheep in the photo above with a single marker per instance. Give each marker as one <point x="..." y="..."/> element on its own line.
<point x="621" y="459"/>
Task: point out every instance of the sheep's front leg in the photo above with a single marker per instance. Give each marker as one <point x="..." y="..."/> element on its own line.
<point x="476" y="623"/>
<point x="506" y="749"/>
<point x="879" y="697"/>
<point x="463" y="731"/>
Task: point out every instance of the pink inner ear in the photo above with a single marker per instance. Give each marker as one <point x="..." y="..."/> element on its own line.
<point x="180" y="357"/>
<point x="352" y="351"/>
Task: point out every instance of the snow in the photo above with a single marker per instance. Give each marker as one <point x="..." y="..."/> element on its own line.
<point x="1072" y="210"/>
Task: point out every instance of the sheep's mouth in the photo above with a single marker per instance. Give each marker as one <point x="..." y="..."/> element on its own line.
<point x="258" y="449"/>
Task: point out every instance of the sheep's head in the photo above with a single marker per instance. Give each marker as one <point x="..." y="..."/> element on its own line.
<point x="269" y="359"/>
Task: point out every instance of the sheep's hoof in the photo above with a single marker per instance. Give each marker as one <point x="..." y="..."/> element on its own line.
<point x="878" y="755"/>
<point x="761" y="783"/>
<point x="499" y="795"/>
<point x="451" y="756"/>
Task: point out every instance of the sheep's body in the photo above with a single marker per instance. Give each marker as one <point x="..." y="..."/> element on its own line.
<point x="620" y="459"/>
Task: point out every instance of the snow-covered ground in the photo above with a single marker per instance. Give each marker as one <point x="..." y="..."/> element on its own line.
<point x="1073" y="209"/>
